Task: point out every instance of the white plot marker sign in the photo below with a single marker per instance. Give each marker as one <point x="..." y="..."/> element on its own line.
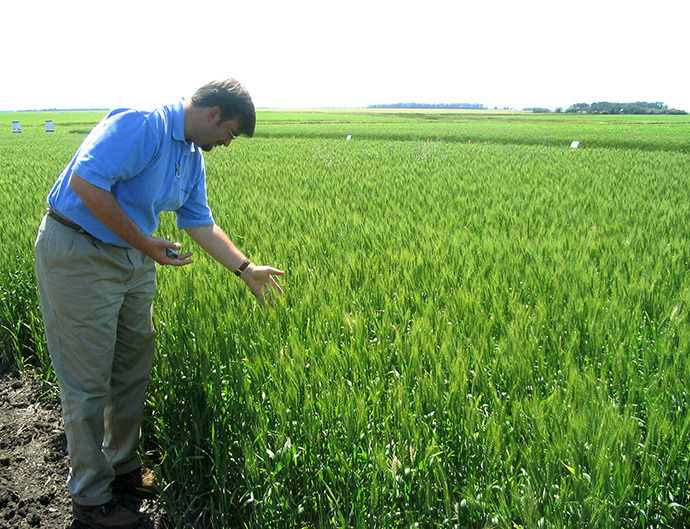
<point x="575" y="144"/>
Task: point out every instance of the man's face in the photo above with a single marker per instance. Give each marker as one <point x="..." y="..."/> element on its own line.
<point x="217" y="133"/>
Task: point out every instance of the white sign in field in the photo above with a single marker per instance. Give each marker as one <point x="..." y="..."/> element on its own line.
<point x="50" y="125"/>
<point x="16" y="126"/>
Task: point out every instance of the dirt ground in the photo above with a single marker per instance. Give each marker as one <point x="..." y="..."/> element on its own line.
<point x="34" y="462"/>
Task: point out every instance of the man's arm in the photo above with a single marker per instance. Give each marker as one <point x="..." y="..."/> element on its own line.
<point x="106" y="209"/>
<point x="259" y="279"/>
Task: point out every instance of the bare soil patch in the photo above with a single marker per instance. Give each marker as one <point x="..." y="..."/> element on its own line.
<point x="34" y="462"/>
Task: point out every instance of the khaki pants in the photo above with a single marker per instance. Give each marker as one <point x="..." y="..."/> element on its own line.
<point x="96" y="301"/>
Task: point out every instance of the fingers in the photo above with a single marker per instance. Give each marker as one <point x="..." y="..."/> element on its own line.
<point x="265" y="296"/>
<point x="172" y="258"/>
<point x="263" y="283"/>
<point x="264" y="293"/>
<point x="277" y="287"/>
<point x="180" y="261"/>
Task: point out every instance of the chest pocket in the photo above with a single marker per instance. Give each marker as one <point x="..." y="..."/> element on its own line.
<point x="178" y="185"/>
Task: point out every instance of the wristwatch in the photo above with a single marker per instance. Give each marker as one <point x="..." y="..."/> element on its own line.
<point x="242" y="268"/>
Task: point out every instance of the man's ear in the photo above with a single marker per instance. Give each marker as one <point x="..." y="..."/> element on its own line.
<point x="213" y="114"/>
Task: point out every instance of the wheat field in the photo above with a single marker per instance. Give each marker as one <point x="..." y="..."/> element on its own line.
<point x="482" y="327"/>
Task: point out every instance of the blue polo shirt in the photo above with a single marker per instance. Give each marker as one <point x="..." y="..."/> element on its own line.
<point x="143" y="159"/>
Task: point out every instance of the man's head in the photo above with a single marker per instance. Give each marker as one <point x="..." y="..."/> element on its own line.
<point x="234" y="103"/>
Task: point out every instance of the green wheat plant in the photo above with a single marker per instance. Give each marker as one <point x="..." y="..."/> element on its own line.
<point x="485" y="334"/>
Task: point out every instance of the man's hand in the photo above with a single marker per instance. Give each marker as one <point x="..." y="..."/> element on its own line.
<point x="159" y="250"/>
<point x="261" y="282"/>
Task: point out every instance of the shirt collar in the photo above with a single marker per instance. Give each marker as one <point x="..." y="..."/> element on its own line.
<point x="178" y="125"/>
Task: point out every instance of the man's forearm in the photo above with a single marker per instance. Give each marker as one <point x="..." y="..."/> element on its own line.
<point x="218" y="245"/>
<point x="259" y="279"/>
<point x="106" y="209"/>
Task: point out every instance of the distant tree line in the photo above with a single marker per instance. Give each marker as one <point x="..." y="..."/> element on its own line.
<point x="445" y="106"/>
<point x="602" y="107"/>
<point x="639" y="107"/>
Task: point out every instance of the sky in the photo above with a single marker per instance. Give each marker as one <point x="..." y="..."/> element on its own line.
<point x="340" y="53"/>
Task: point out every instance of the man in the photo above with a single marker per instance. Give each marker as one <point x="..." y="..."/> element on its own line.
<point x="95" y="263"/>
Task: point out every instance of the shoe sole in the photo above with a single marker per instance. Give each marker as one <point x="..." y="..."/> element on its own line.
<point x="93" y="525"/>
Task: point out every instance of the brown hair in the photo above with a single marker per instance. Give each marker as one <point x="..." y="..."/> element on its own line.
<point x="234" y="102"/>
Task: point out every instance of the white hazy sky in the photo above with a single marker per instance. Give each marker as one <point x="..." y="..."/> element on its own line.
<point x="346" y="53"/>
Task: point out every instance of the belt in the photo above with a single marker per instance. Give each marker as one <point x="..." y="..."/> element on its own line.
<point x="62" y="220"/>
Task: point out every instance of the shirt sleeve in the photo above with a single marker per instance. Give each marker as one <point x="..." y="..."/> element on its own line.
<point x="122" y="147"/>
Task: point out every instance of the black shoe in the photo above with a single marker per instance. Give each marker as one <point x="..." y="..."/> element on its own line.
<point x="109" y="515"/>
<point x="141" y="481"/>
